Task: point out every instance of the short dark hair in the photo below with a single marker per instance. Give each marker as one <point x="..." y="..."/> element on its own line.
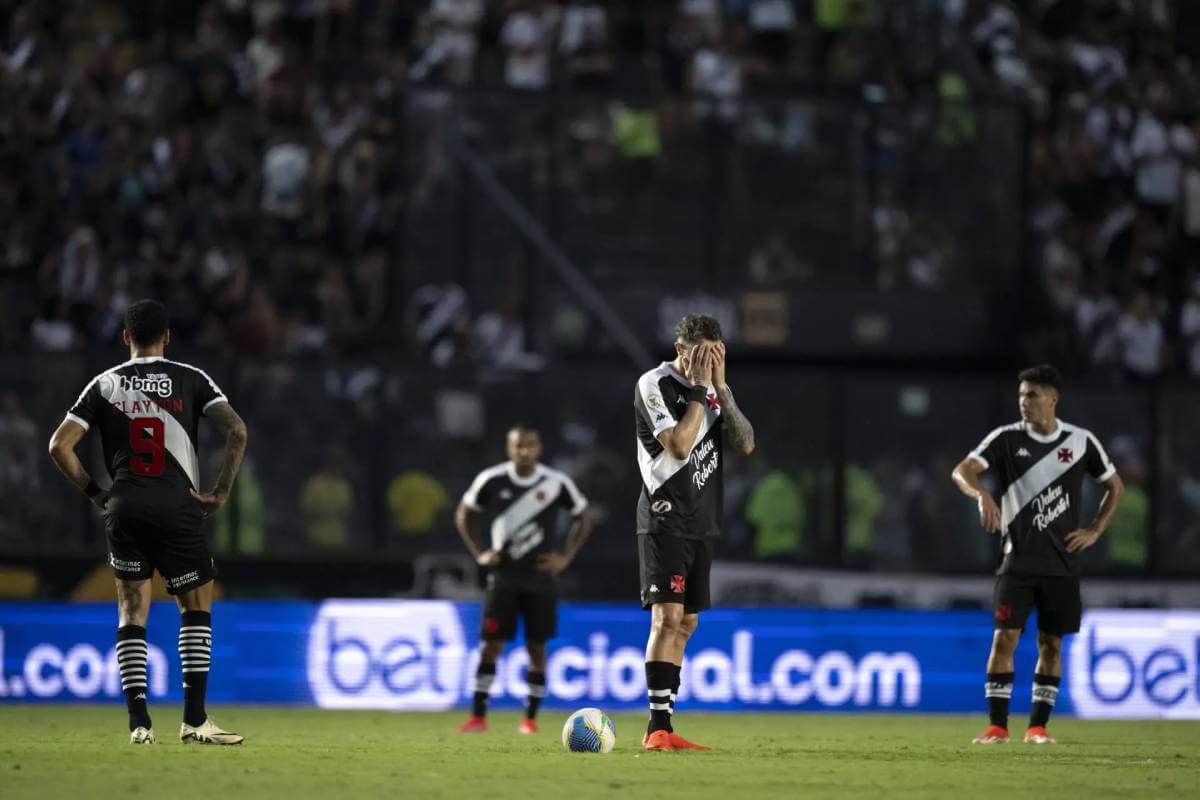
<point x="696" y="327"/>
<point x="520" y="428"/>
<point x="147" y="322"/>
<point x="1042" y="375"/>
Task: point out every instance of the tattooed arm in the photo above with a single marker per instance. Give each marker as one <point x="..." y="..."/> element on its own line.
<point x="235" y="448"/>
<point x="738" y="431"/>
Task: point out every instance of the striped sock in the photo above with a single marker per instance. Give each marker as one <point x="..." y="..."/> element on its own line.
<point x="658" y="691"/>
<point x="1045" y="693"/>
<point x="674" y="692"/>
<point x="195" y="652"/>
<point x="998" y="690"/>
<point x="537" y="690"/>
<point x="131" y="660"/>
<point x="483" y="684"/>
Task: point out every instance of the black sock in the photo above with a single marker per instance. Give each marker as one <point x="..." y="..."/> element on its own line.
<point x="483" y="684"/>
<point x="195" y="652"/>
<point x="131" y="659"/>
<point x="674" y="694"/>
<point x="659" y="677"/>
<point x="537" y="690"/>
<point x="1045" y="692"/>
<point x="999" y="691"/>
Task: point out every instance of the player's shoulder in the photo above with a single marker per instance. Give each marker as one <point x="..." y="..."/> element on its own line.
<point x="652" y="377"/>
<point x="183" y="368"/>
<point x="554" y="474"/>
<point x="1072" y="429"/>
<point x="1003" y="432"/>
<point x="493" y="472"/>
<point x="110" y="373"/>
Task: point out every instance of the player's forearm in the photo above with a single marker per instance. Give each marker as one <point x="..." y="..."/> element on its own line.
<point x="579" y="534"/>
<point x="1108" y="507"/>
<point x="738" y="430"/>
<point x="683" y="435"/>
<point x="235" y="452"/>
<point x="462" y="524"/>
<point x="967" y="483"/>
<point x="69" y="465"/>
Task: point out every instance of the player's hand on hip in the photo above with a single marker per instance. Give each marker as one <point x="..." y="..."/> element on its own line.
<point x="209" y="503"/>
<point x="1081" y="539"/>
<point x="101" y="500"/>
<point x="989" y="513"/>
<point x="553" y="563"/>
<point x="488" y="558"/>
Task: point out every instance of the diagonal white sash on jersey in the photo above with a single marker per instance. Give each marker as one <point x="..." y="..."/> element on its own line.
<point x="175" y="438"/>
<point x="535" y="500"/>
<point x="657" y="470"/>
<point x="1038" y="477"/>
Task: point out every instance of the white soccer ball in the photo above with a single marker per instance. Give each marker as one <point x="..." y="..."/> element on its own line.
<point x="589" y="730"/>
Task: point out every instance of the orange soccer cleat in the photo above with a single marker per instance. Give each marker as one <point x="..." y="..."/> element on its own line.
<point x="680" y="743"/>
<point x="657" y="740"/>
<point x="1037" y="735"/>
<point x="527" y="726"/>
<point x="473" y="725"/>
<point x="993" y="735"/>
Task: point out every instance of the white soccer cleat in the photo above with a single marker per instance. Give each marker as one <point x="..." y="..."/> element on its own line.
<point x="141" y="736"/>
<point x="208" y="733"/>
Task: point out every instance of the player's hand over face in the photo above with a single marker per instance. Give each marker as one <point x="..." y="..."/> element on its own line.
<point x="209" y="503"/>
<point x="553" y="563"/>
<point x="718" y="365"/>
<point x="1081" y="539"/>
<point x="699" y="365"/>
<point x="989" y="513"/>
<point x="488" y="558"/>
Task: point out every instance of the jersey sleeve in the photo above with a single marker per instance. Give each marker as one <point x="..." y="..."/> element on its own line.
<point x="988" y="450"/>
<point x="479" y="493"/>
<point x="208" y="394"/>
<point x="652" y="407"/>
<point x="570" y="498"/>
<point x="87" y="408"/>
<point x="1097" y="462"/>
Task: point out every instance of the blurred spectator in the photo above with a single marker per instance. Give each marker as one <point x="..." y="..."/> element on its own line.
<point x="327" y="501"/>
<point x="1189" y="327"/>
<point x="415" y="500"/>
<point x="1141" y="337"/>
<point x="775" y="509"/>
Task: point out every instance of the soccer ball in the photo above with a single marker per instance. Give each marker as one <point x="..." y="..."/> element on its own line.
<point x="589" y="730"/>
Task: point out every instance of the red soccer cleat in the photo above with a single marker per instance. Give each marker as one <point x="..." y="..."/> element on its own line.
<point x="527" y="726"/>
<point x="993" y="735"/>
<point x="473" y="725"/>
<point x="658" y="740"/>
<point x="680" y="743"/>
<point x="1038" y="735"/>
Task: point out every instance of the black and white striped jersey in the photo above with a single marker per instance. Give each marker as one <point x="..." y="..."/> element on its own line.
<point x="1040" y="486"/>
<point x="525" y="516"/>
<point x="680" y="497"/>
<point x="148" y="411"/>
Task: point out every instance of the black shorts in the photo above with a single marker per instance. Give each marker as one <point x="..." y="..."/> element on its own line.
<point x="675" y="570"/>
<point x="171" y="541"/>
<point x="1056" y="598"/>
<point x="507" y="602"/>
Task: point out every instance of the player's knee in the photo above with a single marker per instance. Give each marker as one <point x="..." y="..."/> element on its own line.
<point x="1049" y="646"/>
<point x="687" y="625"/>
<point x="491" y="650"/>
<point x="537" y="656"/>
<point x="667" y="619"/>
<point x="1006" y="641"/>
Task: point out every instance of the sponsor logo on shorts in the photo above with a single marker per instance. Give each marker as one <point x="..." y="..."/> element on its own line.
<point x="187" y="577"/>
<point x="124" y="566"/>
<point x="660" y="506"/>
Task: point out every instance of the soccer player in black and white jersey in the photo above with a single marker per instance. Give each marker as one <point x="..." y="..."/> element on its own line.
<point x="1039" y="464"/>
<point x="685" y="414"/>
<point x="147" y="411"/>
<point x="524" y="498"/>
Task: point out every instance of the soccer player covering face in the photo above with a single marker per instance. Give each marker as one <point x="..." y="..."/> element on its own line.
<point x="147" y="411"/>
<point x="524" y="499"/>
<point x="685" y="414"/>
<point x="1039" y="465"/>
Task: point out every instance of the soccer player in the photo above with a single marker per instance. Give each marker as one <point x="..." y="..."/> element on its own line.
<point x="147" y="411"/>
<point x="1039" y="465"/>
<point x="525" y="498"/>
<point x="684" y="412"/>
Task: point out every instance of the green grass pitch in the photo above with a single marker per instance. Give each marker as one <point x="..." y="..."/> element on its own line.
<point x="81" y="752"/>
